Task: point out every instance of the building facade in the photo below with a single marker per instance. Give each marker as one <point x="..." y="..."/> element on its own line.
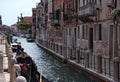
<point x="83" y="31"/>
<point x="24" y="24"/>
<point x="96" y="26"/>
<point x="34" y="22"/>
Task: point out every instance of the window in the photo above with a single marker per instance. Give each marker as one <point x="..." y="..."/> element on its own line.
<point x="78" y="32"/>
<point x="119" y="35"/>
<point x="86" y="32"/>
<point x="111" y="41"/>
<point x="75" y="33"/>
<point x="90" y="1"/>
<point x="100" y="2"/>
<point x="95" y="1"/>
<point x="66" y="31"/>
<point x="69" y="31"/>
<point x="78" y="5"/>
<point x="83" y="32"/>
<point x="86" y="1"/>
<point x="83" y="2"/>
<point x="100" y="32"/>
<point x="95" y="32"/>
<point x="58" y="14"/>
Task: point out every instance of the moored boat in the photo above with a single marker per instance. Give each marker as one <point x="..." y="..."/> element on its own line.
<point x="29" y="68"/>
<point x="15" y="45"/>
<point x="29" y="38"/>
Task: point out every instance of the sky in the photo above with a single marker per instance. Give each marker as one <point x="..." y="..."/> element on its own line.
<point x="11" y="9"/>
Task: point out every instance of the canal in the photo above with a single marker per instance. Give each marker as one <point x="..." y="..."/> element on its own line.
<point x="52" y="69"/>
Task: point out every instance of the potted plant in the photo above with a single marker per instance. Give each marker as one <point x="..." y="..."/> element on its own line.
<point x="24" y="25"/>
<point x="85" y="18"/>
<point x="55" y="24"/>
<point x="116" y="14"/>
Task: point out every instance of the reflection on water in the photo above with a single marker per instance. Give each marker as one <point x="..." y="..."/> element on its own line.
<point x="51" y="68"/>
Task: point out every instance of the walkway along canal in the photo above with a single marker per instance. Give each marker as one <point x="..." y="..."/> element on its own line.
<point x="52" y="69"/>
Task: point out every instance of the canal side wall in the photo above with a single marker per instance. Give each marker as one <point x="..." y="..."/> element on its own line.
<point x="56" y="55"/>
<point x="85" y="64"/>
<point x="91" y="73"/>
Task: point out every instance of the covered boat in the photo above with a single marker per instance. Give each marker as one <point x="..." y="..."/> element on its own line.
<point x="15" y="44"/>
<point x="29" y="68"/>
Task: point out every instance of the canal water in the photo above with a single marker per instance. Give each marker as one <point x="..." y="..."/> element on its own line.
<point x="52" y="69"/>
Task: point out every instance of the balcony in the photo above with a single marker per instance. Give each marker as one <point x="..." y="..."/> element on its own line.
<point x="110" y="3"/>
<point x="88" y="10"/>
<point x="55" y="23"/>
<point x="87" y="13"/>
